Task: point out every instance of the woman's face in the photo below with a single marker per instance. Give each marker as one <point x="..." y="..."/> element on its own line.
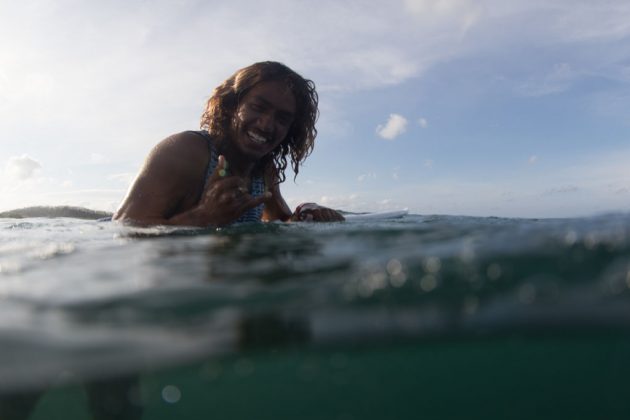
<point x="263" y="119"/>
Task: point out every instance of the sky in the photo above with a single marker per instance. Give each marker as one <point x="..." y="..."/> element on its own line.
<point x="484" y="108"/>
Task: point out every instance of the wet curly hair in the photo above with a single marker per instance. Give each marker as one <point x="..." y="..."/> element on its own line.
<point x="222" y="105"/>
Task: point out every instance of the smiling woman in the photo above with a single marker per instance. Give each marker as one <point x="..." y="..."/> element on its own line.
<point x="230" y="171"/>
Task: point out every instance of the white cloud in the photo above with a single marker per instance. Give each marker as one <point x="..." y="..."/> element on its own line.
<point x="558" y="79"/>
<point x="532" y="159"/>
<point x="422" y="122"/>
<point x="98" y="159"/>
<point x="594" y="184"/>
<point x="22" y="167"/>
<point x="565" y="189"/>
<point x="363" y="177"/>
<point x="125" y="178"/>
<point x="457" y="16"/>
<point x="395" y="126"/>
<point x="350" y="202"/>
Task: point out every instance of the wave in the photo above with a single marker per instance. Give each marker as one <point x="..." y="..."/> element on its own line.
<point x="55" y="211"/>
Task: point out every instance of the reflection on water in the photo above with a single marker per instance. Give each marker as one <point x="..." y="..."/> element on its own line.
<point x="510" y="376"/>
<point x="381" y="320"/>
<point x="121" y="398"/>
<point x="117" y="398"/>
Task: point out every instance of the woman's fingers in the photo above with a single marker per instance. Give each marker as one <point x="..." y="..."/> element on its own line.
<point x="252" y="202"/>
<point x="308" y="212"/>
<point x="221" y="170"/>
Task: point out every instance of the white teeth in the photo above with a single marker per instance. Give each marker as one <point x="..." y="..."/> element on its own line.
<point x="256" y="138"/>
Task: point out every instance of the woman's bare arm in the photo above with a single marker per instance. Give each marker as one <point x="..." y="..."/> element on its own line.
<point x="276" y="208"/>
<point x="169" y="178"/>
<point x="169" y="189"/>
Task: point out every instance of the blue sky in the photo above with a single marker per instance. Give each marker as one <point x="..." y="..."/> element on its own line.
<point x="488" y="108"/>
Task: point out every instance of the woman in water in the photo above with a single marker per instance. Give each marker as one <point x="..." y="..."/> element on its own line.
<point x="231" y="170"/>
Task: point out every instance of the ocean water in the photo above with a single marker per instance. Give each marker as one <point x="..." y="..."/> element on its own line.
<point x="415" y="317"/>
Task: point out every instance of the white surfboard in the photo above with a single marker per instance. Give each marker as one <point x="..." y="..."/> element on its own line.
<point x="379" y="215"/>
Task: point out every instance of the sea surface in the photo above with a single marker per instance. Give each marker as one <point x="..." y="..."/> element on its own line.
<point x="428" y="317"/>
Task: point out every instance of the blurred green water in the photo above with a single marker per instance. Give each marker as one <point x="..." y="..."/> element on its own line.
<point x="573" y="376"/>
<point x="422" y="317"/>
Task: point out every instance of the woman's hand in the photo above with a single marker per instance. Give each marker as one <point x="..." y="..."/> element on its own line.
<point x="226" y="197"/>
<point x="311" y="212"/>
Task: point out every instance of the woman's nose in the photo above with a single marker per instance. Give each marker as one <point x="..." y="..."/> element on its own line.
<point x="266" y="122"/>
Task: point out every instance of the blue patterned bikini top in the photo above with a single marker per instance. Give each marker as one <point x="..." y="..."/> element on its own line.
<point x="256" y="188"/>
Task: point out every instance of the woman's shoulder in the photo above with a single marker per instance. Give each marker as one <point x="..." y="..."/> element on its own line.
<point x="187" y="139"/>
<point x="191" y="143"/>
<point x="183" y="152"/>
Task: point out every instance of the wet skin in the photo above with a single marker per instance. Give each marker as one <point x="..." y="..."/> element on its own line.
<point x="263" y="120"/>
<point x="170" y="190"/>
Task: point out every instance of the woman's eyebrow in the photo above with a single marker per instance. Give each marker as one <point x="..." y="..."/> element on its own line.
<point x="271" y="105"/>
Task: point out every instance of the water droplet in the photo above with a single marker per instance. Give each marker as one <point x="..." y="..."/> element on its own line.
<point x="378" y="280"/>
<point x="527" y="293"/>
<point x="494" y="271"/>
<point x="364" y="290"/>
<point x="467" y="252"/>
<point x="570" y="238"/>
<point x="398" y="280"/>
<point x="471" y="305"/>
<point x="171" y="394"/>
<point x="428" y="283"/>
<point x="432" y="265"/>
<point x="590" y="241"/>
<point x="394" y="267"/>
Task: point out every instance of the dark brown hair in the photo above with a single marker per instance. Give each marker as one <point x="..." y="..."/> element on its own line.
<point x="298" y="144"/>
